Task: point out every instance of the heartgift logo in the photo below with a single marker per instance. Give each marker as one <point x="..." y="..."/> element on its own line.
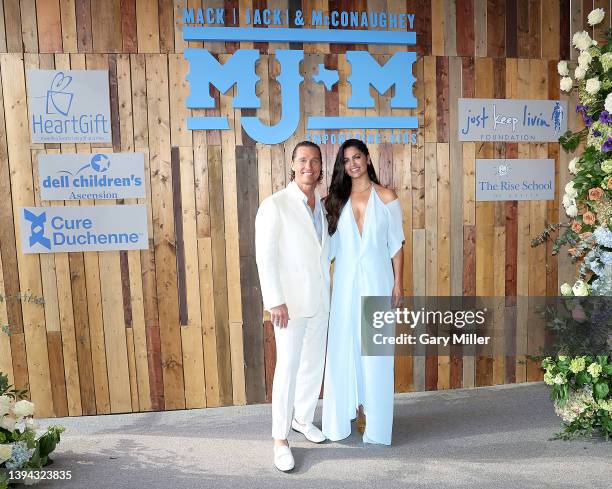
<point x="365" y="73"/>
<point x="59" y="100"/>
<point x="37" y="228"/>
<point x="69" y="106"/>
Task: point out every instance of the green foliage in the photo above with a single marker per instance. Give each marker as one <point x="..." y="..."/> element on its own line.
<point x="9" y="390"/>
<point x="570" y="140"/>
<point x="581" y="394"/>
<point x="42" y="447"/>
<point x="45" y="446"/>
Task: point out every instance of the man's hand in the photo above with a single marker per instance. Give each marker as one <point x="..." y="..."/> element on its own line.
<point x="280" y="316"/>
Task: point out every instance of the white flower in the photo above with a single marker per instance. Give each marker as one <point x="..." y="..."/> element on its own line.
<point x="5" y="404"/>
<point x="579" y="73"/>
<point x="570" y="190"/>
<point x="31" y="424"/>
<point x="566" y="84"/>
<point x="559" y="379"/>
<point x="566" y="289"/>
<point x="8" y="422"/>
<point x="608" y="103"/>
<point x="582" y="40"/>
<point x="592" y="86"/>
<point x="549" y="378"/>
<point x="580" y="289"/>
<point x="573" y="166"/>
<point x="6" y="452"/>
<point x="584" y="60"/>
<point x="594" y="369"/>
<point x="568" y="200"/>
<point x="23" y="408"/>
<point x="596" y="16"/>
<point x="562" y="68"/>
<point x="572" y="210"/>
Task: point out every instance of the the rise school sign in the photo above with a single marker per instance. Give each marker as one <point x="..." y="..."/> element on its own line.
<point x="214" y="24"/>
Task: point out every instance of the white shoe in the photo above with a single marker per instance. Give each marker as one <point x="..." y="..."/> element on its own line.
<point x="310" y="431"/>
<point x="283" y="458"/>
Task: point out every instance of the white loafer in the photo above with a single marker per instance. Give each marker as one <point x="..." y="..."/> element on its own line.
<point x="283" y="458"/>
<point x="310" y="431"/>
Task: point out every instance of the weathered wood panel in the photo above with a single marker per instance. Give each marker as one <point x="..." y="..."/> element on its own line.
<point x="181" y="324"/>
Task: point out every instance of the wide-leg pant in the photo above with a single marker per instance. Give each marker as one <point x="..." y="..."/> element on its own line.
<point x="300" y="360"/>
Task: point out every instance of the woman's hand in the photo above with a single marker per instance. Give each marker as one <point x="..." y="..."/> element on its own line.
<point x="396" y="296"/>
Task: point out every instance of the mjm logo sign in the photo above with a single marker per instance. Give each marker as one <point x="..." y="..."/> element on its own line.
<point x="239" y="70"/>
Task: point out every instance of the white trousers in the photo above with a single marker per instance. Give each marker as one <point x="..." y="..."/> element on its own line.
<point x="300" y="360"/>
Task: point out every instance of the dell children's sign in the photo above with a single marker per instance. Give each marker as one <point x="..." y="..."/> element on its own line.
<point x="69" y="106"/>
<point x="85" y="228"/>
<point x="91" y="176"/>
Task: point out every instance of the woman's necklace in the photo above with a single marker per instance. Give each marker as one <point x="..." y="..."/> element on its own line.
<point x="362" y="190"/>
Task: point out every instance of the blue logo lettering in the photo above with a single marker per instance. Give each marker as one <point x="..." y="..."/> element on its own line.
<point x="239" y="70"/>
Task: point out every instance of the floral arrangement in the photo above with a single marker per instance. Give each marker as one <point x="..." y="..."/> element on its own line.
<point x="20" y="449"/>
<point x="581" y="384"/>
<point x="581" y="393"/>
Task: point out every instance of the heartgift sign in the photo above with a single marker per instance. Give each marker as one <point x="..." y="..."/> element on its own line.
<point x="91" y="176"/>
<point x="69" y="106"/>
<point x="393" y="28"/>
<point x="511" y="120"/>
<point x="499" y="179"/>
<point x="84" y="228"/>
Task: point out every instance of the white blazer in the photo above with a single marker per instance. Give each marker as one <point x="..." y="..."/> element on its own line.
<point x="293" y="266"/>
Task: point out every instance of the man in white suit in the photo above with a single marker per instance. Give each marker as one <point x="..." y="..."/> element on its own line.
<point x="292" y="252"/>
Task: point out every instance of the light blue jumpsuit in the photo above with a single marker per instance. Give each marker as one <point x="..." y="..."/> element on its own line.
<point x="362" y="268"/>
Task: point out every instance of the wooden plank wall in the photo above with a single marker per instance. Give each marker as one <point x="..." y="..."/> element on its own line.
<point x="181" y="325"/>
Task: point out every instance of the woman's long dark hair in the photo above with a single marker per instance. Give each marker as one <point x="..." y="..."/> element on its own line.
<point x="341" y="183"/>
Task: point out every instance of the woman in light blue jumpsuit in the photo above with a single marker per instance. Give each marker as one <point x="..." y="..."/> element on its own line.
<point x="367" y="263"/>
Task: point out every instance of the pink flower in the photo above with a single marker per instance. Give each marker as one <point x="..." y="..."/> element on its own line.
<point x="588" y="218"/>
<point x="595" y="193"/>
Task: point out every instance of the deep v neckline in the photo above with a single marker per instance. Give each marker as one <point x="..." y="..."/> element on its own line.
<point x="365" y="214"/>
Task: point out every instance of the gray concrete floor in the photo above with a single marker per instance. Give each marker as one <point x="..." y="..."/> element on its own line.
<point x="494" y="437"/>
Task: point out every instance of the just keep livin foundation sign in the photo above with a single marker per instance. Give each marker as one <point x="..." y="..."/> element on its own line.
<point x="499" y="179"/>
<point x="91" y="176"/>
<point x="69" y="106"/>
<point x="508" y="120"/>
<point x="343" y="27"/>
<point x="84" y="228"/>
